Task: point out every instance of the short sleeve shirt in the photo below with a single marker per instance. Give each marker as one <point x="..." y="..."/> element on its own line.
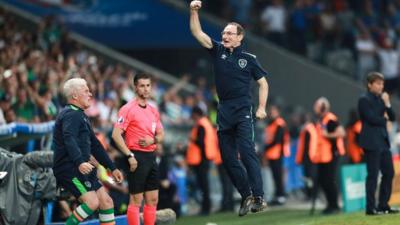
<point x="138" y="122"/>
<point x="234" y="71"/>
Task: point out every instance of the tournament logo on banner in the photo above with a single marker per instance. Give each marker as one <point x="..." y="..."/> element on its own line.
<point x="122" y="24"/>
<point x="72" y="5"/>
<point x="353" y="187"/>
<point x="395" y="198"/>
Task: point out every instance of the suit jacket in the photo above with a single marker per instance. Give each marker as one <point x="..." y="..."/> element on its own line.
<point x="374" y="135"/>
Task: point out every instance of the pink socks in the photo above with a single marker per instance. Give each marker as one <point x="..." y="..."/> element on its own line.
<point x="149" y="215"/>
<point x="133" y="216"/>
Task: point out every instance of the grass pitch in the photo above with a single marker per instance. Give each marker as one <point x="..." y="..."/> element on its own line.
<point x="290" y="217"/>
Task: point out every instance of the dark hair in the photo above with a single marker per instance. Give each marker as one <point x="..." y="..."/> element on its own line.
<point x="141" y="76"/>
<point x="374" y="76"/>
<point x="239" y="28"/>
<point x="197" y="111"/>
<point x="275" y="106"/>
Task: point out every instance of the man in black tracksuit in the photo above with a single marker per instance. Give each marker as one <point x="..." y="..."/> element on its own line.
<point x="76" y="148"/>
<point x="74" y="142"/>
<point x="234" y="70"/>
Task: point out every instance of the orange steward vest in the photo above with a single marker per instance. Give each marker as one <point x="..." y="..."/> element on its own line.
<point x="355" y="152"/>
<point x="324" y="148"/>
<point x="312" y="145"/>
<point x="193" y="154"/>
<point x="218" y="158"/>
<point x="275" y="151"/>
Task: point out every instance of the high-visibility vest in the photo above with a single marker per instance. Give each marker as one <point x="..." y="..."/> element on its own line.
<point x="275" y="151"/>
<point x="312" y="144"/>
<point x="102" y="139"/>
<point x="218" y="158"/>
<point x="355" y="152"/>
<point x="193" y="154"/>
<point x="324" y="149"/>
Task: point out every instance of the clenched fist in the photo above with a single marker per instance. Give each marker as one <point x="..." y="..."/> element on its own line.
<point x="261" y="114"/>
<point x="195" y="5"/>
<point x="85" y="168"/>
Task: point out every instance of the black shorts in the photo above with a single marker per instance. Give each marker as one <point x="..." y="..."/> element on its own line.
<point x="145" y="177"/>
<point x="77" y="183"/>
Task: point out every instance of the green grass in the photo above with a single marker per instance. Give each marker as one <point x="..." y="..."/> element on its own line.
<point x="290" y="217"/>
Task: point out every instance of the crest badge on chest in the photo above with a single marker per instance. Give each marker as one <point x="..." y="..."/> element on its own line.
<point x="88" y="184"/>
<point x="242" y="63"/>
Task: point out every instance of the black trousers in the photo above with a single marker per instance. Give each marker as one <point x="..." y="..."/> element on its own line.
<point x="236" y="137"/>
<point x="379" y="161"/>
<point x="201" y="172"/>
<point x="327" y="178"/>
<point x="227" y="203"/>
<point x="277" y="174"/>
<point x="310" y="172"/>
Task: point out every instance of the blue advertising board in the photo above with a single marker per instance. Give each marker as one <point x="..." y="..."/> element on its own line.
<point x="121" y="24"/>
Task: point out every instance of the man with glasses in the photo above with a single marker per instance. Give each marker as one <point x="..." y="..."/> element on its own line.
<point x="234" y="69"/>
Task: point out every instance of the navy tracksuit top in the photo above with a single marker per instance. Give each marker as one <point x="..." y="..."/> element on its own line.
<point x="74" y="141"/>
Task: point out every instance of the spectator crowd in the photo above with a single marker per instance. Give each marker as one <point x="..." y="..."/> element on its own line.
<point x="351" y="36"/>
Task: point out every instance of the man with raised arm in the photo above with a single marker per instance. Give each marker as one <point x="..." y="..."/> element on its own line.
<point x="234" y="69"/>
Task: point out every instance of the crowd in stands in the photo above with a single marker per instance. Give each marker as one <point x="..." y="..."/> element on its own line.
<point x="34" y="64"/>
<point x="351" y="36"/>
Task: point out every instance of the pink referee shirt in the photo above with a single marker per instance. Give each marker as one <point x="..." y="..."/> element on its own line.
<point x="138" y="122"/>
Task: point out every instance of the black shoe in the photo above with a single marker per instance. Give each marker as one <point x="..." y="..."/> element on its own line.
<point x="388" y="211"/>
<point x="278" y="201"/>
<point x="258" y="204"/>
<point x="373" y="212"/>
<point x="225" y="209"/>
<point x="245" y="205"/>
<point x="204" y="213"/>
<point x="330" y="211"/>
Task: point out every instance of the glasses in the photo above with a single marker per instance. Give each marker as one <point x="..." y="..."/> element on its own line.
<point x="228" y="33"/>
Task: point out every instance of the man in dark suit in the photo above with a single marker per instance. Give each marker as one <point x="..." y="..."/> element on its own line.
<point x="375" y="111"/>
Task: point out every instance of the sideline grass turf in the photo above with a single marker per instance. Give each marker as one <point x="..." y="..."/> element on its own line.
<point x="290" y="217"/>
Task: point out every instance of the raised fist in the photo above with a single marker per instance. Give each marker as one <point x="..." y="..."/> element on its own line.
<point x="195" y="5"/>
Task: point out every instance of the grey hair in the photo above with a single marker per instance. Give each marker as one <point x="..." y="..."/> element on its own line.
<point x="71" y="86"/>
<point x="325" y="102"/>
